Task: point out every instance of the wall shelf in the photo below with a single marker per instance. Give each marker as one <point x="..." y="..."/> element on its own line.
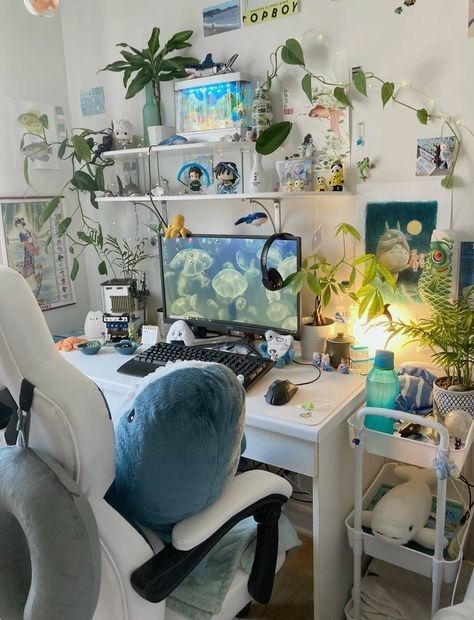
<point x="188" y="147"/>
<point x="276" y="196"/>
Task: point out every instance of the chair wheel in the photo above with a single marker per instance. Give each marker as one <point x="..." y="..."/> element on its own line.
<point x="243" y="613"/>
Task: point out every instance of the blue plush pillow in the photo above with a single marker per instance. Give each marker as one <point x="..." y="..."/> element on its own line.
<point x="178" y="446"/>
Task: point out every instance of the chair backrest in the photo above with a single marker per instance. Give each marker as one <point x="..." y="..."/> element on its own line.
<point x="69" y="418"/>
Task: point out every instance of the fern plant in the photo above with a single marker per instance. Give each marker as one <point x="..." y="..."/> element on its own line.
<point x="449" y="333"/>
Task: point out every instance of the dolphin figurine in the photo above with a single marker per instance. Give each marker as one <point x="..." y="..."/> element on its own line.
<point x="256" y="219"/>
<point x="402" y="513"/>
<point x="174" y="139"/>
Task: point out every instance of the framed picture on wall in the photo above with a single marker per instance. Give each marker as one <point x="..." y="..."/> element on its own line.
<point x="36" y="251"/>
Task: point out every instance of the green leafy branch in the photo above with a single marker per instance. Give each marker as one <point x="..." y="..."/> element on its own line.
<point x="152" y="65"/>
<point x="291" y="53"/>
<point x="125" y="256"/>
<point x="323" y="279"/>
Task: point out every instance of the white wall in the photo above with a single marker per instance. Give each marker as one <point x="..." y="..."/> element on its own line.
<point x="32" y="69"/>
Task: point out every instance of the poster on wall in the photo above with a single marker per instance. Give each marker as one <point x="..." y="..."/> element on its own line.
<point x="470" y="24"/>
<point x="263" y="11"/>
<point x="35" y="251"/>
<point x="30" y="124"/>
<point x="92" y="101"/>
<point x="434" y="156"/>
<point x="221" y="17"/>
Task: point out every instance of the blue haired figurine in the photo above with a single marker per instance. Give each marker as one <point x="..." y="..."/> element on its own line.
<point x="196" y="176"/>
<point x="227" y="177"/>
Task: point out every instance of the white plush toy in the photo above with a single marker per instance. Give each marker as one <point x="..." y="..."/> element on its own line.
<point x="94" y="326"/>
<point x="458" y="423"/>
<point x="278" y="347"/>
<point x="180" y="330"/>
<point x="402" y="513"/>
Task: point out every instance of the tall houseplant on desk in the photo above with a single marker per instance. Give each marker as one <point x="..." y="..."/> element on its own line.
<point x="152" y="65"/>
<point x="448" y="331"/>
<point x="324" y="280"/>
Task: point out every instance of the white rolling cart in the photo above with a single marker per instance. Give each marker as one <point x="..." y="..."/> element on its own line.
<point x="414" y="453"/>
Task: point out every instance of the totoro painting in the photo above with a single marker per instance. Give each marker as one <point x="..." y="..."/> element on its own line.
<point x="399" y="233"/>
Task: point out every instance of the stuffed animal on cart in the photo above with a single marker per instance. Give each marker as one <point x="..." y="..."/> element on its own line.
<point x="401" y="514"/>
<point x="278" y="348"/>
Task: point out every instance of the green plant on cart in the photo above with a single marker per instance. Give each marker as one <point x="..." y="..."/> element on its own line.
<point x="152" y="65"/>
<point x="291" y="53"/>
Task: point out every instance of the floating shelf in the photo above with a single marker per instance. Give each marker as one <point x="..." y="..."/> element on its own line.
<point x="244" y="147"/>
<point x="276" y="196"/>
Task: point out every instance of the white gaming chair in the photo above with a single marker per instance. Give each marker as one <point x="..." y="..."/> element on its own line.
<point x="70" y="422"/>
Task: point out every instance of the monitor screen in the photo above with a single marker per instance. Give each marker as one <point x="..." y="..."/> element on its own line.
<point x="215" y="281"/>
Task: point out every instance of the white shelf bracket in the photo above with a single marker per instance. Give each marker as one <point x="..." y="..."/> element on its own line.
<point x="277" y="214"/>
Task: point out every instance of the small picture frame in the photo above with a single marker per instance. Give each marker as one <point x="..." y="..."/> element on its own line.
<point x="294" y="175"/>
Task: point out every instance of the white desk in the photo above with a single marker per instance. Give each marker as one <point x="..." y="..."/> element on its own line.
<point x="275" y="436"/>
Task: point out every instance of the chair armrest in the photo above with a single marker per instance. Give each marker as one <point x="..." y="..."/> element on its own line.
<point x="244" y="490"/>
<point x="260" y="495"/>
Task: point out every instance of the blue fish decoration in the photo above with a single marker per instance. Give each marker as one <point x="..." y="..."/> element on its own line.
<point x="174" y="139"/>
<point x="256" y="219"/>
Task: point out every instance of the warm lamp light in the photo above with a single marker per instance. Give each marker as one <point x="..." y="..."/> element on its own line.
<point x="42" y="8"/>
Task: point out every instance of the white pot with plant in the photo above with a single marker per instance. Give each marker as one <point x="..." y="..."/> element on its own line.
<point x="448" y="331"/>
<point x="324" y="279"/>
<point x="152" y="66"/>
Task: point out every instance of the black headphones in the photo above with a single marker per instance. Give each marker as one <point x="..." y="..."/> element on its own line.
<point x="271" y="278"/>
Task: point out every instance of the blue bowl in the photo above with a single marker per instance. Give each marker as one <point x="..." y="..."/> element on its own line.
<point x="89" y="348"/>
<point x="126" y="347"/>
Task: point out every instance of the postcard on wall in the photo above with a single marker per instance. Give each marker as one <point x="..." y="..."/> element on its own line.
<point x="262" y="11"/>
<point x="35" y="251"/>
<point x="92" y="101"/>
<point x="470" y="24"/>
<point x="34" y="126"/>
<point x="221" y="17"/>
<point x="434" y="156"/>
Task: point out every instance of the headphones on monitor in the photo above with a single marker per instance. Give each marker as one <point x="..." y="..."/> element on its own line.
<point x="271" y="278"/>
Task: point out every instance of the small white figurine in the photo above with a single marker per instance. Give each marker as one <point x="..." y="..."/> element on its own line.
<point x="123" y="130"/>
<point x="94" y="327"/>
<point x="180" y="330"/>
<point x="458" y="423"/>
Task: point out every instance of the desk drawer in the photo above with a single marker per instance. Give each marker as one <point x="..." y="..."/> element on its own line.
<point x="286" y="452"/>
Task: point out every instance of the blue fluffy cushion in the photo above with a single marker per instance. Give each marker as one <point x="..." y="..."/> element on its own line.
<point x="179" y="446"/>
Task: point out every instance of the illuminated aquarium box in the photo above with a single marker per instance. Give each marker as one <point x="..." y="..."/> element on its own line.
<point x="215" y="105"/>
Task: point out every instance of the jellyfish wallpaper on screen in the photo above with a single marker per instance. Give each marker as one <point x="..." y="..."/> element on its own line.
<point x="217" y="280"/>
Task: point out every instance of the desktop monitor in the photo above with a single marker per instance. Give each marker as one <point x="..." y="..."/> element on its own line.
<point x="215" y="282"/>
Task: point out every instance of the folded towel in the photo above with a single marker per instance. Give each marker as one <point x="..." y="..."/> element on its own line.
<point x="199" y="597"/>
<point x="416" y="390"/>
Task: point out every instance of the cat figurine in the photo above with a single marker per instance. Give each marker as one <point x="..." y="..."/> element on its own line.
<point x="94" y="326"/>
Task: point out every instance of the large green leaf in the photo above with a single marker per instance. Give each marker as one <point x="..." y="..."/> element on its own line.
<point x="48" y="211"/>
<point x="178" y="40"/>
<point x="313" y="283"/>
<point x="81" y="148"/>
<point x="117" y="66"/>
<point x="84" y="237"/>
<point x="63" y="226"/>
<point x="388" y="88"/>
<point x="99" y="178"/>
<point x="360" y="82"/>
<point x="292" y="53"/>
<point x="75" y="268"/>
<point x="306" y="86"/>
<point x="273" y="137"/>
<point x="138" y="83"/>
<point x="25" y="170"/>
<point x="44" y="121"/>
<point x="423" y="116"/>
<point x="62" y="148"/>
<point x="83" y="181"/>
<point x="347" y="229"/>
<point x="102" y="268"/>
<point x="136" y="60"/>
<point x="341" y="95"/>
<point x="154" y="41"/>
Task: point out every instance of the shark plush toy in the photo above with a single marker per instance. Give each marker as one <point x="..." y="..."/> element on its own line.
<point x="278" y="348"/>
<point x="402" y="513"/>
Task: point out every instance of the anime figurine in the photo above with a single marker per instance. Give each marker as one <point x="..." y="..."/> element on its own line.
<point x="290" y="186"/>
<point x="123" y="130"/>
<point x="106" y="145"/>
<point x="249" y="135"/>
<point x="316" y="360"/>
<point x="322" y="184"/>
<point x="227" y="177"/>
<point x="176" y="228"/>
<point x="343" y="367"/>
<point x="326" y="362"/>
<point x="337" y="177"/>
<point x="307" y="148"/>
<point x="298" y="185"/>
<point x="363" y="166"/>
<point x="196" y="176"/>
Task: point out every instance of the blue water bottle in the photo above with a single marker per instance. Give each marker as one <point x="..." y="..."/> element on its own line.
<point x="382" y="388"/>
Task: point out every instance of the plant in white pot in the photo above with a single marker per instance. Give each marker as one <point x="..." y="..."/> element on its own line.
<point x="324" y="280"/>
<point x="153" y="65"/>
<point x="448" y="331"/>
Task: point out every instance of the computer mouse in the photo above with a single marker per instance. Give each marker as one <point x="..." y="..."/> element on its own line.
<point x="280" y="392"/>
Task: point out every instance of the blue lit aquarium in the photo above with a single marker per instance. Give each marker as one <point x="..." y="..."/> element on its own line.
<point x="213" y="103"/>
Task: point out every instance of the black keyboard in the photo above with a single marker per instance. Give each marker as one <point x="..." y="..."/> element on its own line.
<point x="249" y="367"/>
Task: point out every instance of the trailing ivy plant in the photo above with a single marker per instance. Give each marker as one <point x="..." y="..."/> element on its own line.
<point x="81" y="150"/>
<point x="291" y="53"/>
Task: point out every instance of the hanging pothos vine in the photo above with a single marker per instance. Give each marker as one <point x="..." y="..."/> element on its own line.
<point x="291" y="53"/>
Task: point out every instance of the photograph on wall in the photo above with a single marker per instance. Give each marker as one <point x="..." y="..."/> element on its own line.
<point x="434" y="156"/>
<point x="30" y="124"/>
<point x="92" y="101"/>
<point x="470" y="23"/>
<point x="263" y="11"/>
<point x="35" y="251"/>
<point x="399" y="234"/>
<point x="221" y="17"/>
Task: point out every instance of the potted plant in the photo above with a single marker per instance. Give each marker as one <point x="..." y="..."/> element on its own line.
<point x="325" y="279"/>
<point x="448" y="332"/>
<point x="152" y="65"/>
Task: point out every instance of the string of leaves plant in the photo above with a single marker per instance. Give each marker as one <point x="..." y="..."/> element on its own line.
<point x="448" y="332"/>
<point x="324" y="279"/>
<point x="291" y="53"/>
